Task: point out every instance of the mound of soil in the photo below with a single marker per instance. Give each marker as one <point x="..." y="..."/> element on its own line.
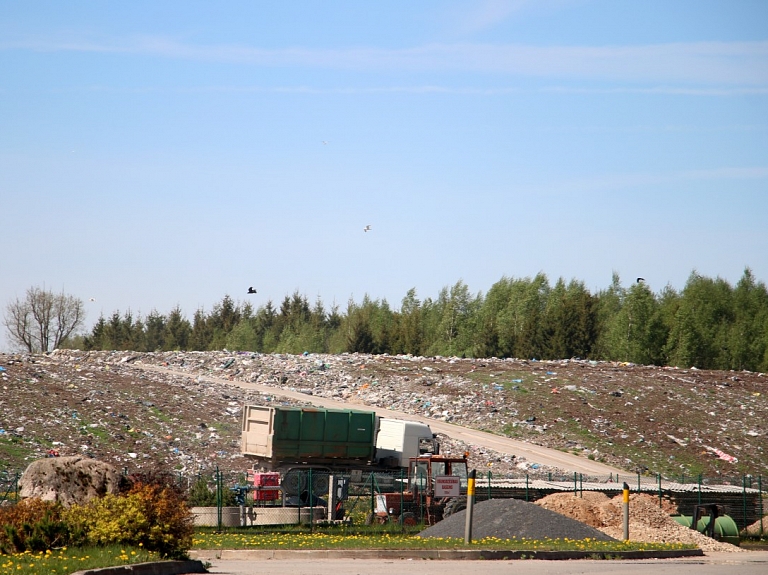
<point x="648" y="521"/>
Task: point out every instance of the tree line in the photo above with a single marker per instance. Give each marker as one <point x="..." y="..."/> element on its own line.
<point x="709" y="324"/>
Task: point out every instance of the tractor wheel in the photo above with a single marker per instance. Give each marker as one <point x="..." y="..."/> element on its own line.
<point x="408" y="518"/>
<point x="376" y="518"/>
<point x="454" y="506"/>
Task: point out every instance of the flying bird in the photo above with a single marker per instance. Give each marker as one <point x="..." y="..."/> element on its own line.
<point x="640" y="280"/>
<point x="367" y="229"/>
<point x="251" y="290"/>
<point x="93" y="299"/>
<point x="325" y="143"/>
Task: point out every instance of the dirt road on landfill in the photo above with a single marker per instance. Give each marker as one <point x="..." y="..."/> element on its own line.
<point x="533" y="453"/>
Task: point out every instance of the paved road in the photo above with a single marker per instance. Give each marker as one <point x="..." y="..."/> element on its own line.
<point x="533" y="453"/>
<point x="752" y="563"/>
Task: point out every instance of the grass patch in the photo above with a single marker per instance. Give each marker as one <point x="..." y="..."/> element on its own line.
<point x="160" y="415"/>
<point x="12" y="450"/>
<point x="395" y="538"/>
<point x="64" y="560"/>
<point x="98" y="432"/>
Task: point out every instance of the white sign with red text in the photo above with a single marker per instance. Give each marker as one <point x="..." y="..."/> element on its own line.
<point x="447" y="486"/>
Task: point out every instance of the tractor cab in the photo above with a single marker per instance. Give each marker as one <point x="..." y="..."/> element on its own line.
<point x="440" y="483"/>
<point x="424" y="471"/>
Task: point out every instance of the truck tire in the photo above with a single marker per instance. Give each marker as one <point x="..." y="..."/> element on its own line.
<point x="454" y="506"/>
<point x="294" y="482"/>
<point x="320" y="484"/>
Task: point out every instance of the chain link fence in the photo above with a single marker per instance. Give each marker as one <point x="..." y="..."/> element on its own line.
<point x="310" y="497"/>
<point x="743" y="498"/>
<point x="230" y="500"/>
<point x="9" y="486"/>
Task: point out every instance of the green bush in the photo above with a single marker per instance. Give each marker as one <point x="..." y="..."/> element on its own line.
<point x="151" y="516"/>
<point x="201" y="495"/>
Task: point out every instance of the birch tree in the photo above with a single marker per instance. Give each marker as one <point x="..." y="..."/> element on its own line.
<point x="42" y="320"/>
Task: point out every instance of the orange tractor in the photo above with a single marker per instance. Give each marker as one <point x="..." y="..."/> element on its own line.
<point x="436" y="487"/>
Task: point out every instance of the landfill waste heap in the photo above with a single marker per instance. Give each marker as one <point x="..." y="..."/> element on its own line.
<point x="644" y="419"/>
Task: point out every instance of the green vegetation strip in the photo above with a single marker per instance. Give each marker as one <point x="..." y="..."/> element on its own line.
<point x="326" y="540"/>
<point x="68" y="560"/>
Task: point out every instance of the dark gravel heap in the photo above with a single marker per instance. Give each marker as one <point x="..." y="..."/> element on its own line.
<point x="513" y="518"/>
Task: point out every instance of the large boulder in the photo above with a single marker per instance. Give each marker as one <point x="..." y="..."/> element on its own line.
<point x="68" y="480"/>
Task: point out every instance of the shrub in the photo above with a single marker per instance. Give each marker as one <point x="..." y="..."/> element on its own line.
<point x="152" y="516"/>
<point x="32" y="525"/>
<point x="200" y="495"/>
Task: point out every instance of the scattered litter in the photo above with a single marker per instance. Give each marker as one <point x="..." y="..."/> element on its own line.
<point x="721" y="454"/>
<point x="101" y="399"/>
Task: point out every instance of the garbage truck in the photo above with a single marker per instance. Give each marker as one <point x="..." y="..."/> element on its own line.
<point x="276" y="437"/>
<point x="294" y="446"/>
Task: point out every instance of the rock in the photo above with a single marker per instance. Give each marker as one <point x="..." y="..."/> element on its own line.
<point x="68" y="480"/>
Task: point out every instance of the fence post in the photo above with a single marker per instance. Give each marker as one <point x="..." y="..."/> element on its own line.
<point x="310" y="501"/>
<point x="490" y="475"/>
<point x="700" y="488"/>
<point x="625" y="507"/>
<point x="581" y="485"/>
<point x="575" y="483"/>
<point x="373" y="499"/>
<point x="744" y="498"/>
<point x="760" y="488"/>
<point x="402" y="511"/>
<point x="658" y="478"/>
<point x="219" y="498"/>
<point x="470" y="507"/>
<point x="526" y="487"/>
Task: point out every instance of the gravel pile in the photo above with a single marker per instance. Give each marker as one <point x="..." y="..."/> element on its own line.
<point x="514" y="519"/>
<point x="759" y="527"/>
<point x="647" y="521"/>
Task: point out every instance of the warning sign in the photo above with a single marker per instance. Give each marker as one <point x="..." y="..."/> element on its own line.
<point x="447" y="486"/>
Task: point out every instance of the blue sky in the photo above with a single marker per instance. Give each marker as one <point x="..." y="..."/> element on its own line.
<point x="155" y="154"/>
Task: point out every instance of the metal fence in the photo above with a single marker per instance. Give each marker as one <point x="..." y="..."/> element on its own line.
<point x="743" y="498"/>
<point x="309" y="497"/>
<point x="9" y="486"/>
<point x="302" y="496"/>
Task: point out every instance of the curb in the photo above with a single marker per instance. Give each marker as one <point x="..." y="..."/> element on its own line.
<point x="435" y="554"/>
<point x="154" y="568"/>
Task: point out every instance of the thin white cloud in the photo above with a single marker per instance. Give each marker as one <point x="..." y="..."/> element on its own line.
<point x="616" y="182"/>
<point x="481" y="15"/>
<point x="490" y="13"/>
<point x="708" y="63"/>
<point x="428" y="89"/>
